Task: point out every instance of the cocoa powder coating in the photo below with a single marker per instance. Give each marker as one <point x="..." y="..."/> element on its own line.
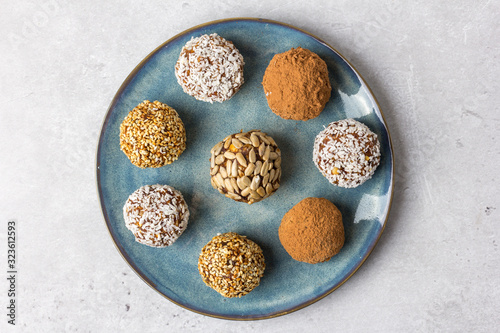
<point x="312" y="231"/>
<point x="296" y="84"/>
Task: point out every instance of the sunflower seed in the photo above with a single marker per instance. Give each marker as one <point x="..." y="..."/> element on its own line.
<point x="237" y="143"/>
<point x="229" y="155"/>
<point x="255" y="140"/>
<point x="227" y="138"/>
<point x="255" y="183"/>
<point x="239" y="135"/>
<point x="219" y="180"/>
<point x="216" y="149"/>
<point x="249" y="169"/>
<point x="262" y="149"/>
<point x="255" y="195"/>
<point x="271" y="174"/>
<point x="245" y="140"/>
<point x="277" y="163"/>
<point x="273" y="156"/>
<point x="212" y="160"/>
<point x="233" y="196"/>
<point x="277" y="175"/>
<point x="214" y="170"/>
<point x="240" y="183"/>
<point x="213" y="182"/>
<point x="261" y="191"/>
<point x="276" y="186"/>
<point x="270" y="165"/>
<point x="234" y="185"/>
<point x="269" y="188"/>
<point x="228" y="166"/>
<point x="223" y="172"/>
<point x="219" y="159"/>
<point x="265" y="169"/>
<point x="265" y="180"/>
<point x="241" y="159"/>
<point x="258" y="166"/>
<point x="251" y="156"/>
<point x="271" y="140"/>
<point x="229" y="187"/>
<point x="263" y="137"/>
<point x="245" y="180"/>
<point x="227" y="144"/>
<point x="245" y="192"/>
<point x="267" y="153"/>
<point x="234" y="169"/>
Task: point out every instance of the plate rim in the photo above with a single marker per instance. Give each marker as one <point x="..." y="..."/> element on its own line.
<point x="104" y="213"/>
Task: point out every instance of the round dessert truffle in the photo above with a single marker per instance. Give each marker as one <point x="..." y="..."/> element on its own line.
<point x="312" y="231"/>
<point x="231" y="264"/>
<point x="156" y="214"/>
<point x="246" y="166"/>
<point x="296" y="84"/>
<point x="152" y="135"/>
<point x="347" y="153"/>
<point x="210" y="68"/>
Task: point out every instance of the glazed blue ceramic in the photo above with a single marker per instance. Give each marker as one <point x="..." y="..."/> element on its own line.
<point x="287" y="285"/>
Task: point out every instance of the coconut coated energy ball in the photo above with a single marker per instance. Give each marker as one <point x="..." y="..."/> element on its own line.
<point x="347" y="153"/>
<point x="156" y="214"/>
<point x="210" y="68"/>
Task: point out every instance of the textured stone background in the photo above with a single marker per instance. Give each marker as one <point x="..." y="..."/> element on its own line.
<point x="434" y="69"/>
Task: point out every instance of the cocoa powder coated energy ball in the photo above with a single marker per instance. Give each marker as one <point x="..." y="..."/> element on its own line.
<point x="312" y="231"/>
<point x="296" y="84"/>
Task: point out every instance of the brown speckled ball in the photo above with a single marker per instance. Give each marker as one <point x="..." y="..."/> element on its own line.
<point x="231" y="264"/>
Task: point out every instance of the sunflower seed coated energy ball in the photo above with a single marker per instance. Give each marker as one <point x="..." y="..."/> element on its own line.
<point x="347" y="153"/>
<point x="156" y="214"/>
<point x="210" y="68"/>
<point x="246" y="166"/>
<point x="231" y="264"/>
<point x="152" y="135"/>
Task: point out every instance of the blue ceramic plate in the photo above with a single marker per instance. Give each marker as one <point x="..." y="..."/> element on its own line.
<point x="287" y="285"/>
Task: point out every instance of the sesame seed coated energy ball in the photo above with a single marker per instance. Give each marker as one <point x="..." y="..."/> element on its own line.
<point x="156" y="214"/>
<point x="312" y="231"/>
<point x="231" y="264"/>
<point x="152" y="135"/>
<point x="246" y="166"/>
<point x="347" y="153"/>
<point x="210" y="68"/>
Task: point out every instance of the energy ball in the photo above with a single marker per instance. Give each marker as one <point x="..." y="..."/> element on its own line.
<point x="296" y="84"/>
<point x="231" y="264"/>
<point x="246" y="166"/>
<point x="312" y="231"/>
<point x="210" y="68"/>
<point x="152" y="135"/>
<point x="156" y="214"/>
<point x="347" y="153"/>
